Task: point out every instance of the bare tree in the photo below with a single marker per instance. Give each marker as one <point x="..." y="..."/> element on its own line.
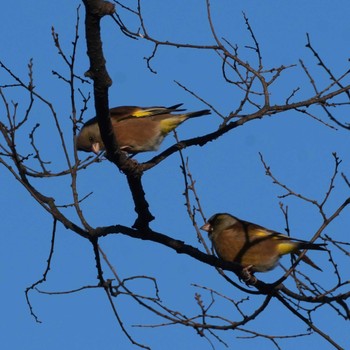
<point x="295" y="292"/>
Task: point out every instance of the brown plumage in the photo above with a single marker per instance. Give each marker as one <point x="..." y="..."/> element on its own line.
<point x="137" y="129"/>
<point x="251" y="245"/>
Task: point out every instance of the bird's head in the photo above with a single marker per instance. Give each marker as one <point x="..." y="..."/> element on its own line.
<point x="89" y="138"/>
<point x="218" y="222"/>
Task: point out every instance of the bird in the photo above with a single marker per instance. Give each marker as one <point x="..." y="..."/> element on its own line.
<point x="254" y="247"/>
<point x="137" y="129"/>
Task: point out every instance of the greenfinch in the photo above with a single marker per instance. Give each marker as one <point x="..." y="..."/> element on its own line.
<point x="252" y="246"/>
<point x="136" y="129"/>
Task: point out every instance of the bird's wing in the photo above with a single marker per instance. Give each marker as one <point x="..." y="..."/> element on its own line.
<point x="282" y="243"/>
<point x="257" y="231"/>
<point x="126" y="112"/>
<point x="285" y="244"/>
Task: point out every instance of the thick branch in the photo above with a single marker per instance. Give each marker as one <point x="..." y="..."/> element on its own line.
<point x="95" y="9"/>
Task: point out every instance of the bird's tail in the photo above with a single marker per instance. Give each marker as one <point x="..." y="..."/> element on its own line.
<point x="174" y="120"/>
<point x="311" y="246"/>
<point x="198" y="113"/>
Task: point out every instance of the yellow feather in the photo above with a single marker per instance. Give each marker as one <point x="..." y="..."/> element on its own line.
<point x="143" y="113"/>
<point x="169" y="124"/>
<point x="261" y="233"/>
<point x="286" y="248"/>
<point x="282" y="247"/>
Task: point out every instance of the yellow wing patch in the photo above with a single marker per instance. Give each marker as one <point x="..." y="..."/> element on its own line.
<point x="282" y="247"/>
<point x="148" y="112"/>
<point x="143" y="113"/>
<point x="261" y="232"/>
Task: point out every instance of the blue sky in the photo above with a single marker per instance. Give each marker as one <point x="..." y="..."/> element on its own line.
<point x="228" y="172"/>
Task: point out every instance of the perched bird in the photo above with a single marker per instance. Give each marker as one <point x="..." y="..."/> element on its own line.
<point x="136" y="129"/>
<point x="254" y="247"/>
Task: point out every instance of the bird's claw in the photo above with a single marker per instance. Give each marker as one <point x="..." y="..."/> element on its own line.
<point x="247" y="275"/>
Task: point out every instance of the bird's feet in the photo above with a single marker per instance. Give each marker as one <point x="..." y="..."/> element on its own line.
<point x="247" y="275"/>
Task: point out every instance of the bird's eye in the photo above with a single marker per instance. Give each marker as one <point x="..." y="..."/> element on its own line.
<point x="91" y="139"/>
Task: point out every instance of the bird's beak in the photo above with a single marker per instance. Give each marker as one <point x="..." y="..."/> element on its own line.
<point x="206" y="227"/>
<point x="95" y="147"/>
